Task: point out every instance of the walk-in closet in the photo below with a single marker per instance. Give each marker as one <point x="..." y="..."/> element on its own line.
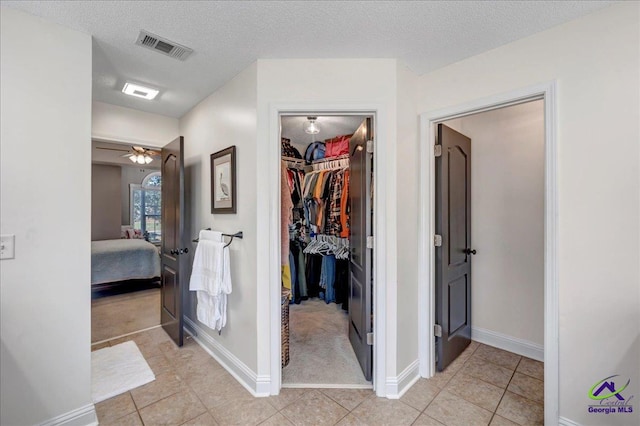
<point x="326" y="258"/>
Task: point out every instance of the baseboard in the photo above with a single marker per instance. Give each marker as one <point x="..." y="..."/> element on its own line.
<point x="258" y="386"/>
<point x="83" y="416"/>
<point x="566" y="422"/>
<point x="397" y="386"/>
<point x="508" y="343"/>
<point x="324" y="386"/>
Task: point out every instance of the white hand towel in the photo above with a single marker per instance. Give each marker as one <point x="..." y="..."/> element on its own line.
<point x="226" y="273"/>
<point x="211" y="278"/>
<point x="208" y="267"/>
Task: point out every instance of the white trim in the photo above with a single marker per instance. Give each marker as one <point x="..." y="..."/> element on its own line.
<point x="383" y="173"/>
<point x="566" y="422"/>
<point x="83" y="416"/>
<point x="324" y="386"/>
<point x="508" y="343"/>
<point x="258" y="386"/>
<point x="119" y="139"/>
<point x="397" y="386"/>
<point x="426" y="227"/>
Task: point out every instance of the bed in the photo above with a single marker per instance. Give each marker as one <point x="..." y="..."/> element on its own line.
<point x="115" y="262"/>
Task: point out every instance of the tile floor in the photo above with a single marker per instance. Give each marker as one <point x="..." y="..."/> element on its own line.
<point x="483" y="386"/>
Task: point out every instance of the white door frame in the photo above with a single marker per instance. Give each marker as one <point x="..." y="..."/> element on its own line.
<point x="380" y="301"/>
<point x="426" y="231"/>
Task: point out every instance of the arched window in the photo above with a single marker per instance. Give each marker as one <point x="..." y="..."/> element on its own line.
<point x="152" y="181"/>
<point x="146" y="206"/>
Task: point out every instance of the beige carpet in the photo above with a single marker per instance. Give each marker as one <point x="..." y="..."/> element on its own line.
<point x="113" y="316"/>
<point x="320" y="352"/>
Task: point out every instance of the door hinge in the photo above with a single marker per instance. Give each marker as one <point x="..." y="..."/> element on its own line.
<point x="370" y="339"/>
<point x="370" y="242"/>
<point x="437" y="330"/>
<point x="369" y="146"/>
<point x="437" y="150"/>
<point x="437" y="240"/>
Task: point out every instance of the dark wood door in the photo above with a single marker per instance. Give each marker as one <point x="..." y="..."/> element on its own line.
<point x="453" y="257"/>
<point x="174" y="245"/>
<point x="360" y="275"/>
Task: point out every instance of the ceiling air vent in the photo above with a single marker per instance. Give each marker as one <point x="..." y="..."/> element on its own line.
<point x="162" y="45"/>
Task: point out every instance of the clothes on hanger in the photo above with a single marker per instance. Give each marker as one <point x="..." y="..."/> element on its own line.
<point x="325" y="195"/>
<point x="318" y="245"/>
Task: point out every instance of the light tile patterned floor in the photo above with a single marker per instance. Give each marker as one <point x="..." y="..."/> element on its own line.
<point x="483" y="386"/>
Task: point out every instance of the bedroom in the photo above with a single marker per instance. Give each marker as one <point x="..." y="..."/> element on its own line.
<point x="125" y="236"/>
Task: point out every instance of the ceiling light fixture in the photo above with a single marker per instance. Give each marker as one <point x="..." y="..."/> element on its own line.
<point x="141" y="159"/>
<point x="139" y="91"/>
<point x="140" y="155"/>
<point x="310" y="126"/>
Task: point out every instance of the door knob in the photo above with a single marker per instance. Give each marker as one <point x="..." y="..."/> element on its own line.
<point x="469" y="251"/>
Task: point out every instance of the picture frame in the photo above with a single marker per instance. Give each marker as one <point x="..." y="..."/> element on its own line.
<point x="223" y="181"/>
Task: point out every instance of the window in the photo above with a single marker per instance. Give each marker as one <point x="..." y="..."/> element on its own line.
<point x="146" y="206"/>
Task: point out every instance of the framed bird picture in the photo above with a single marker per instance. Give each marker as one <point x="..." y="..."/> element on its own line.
<point x="223" y="181"/>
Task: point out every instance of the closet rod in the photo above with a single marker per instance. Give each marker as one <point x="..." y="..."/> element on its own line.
<point x="293" y="159"/>
<point x="324" y="160"/>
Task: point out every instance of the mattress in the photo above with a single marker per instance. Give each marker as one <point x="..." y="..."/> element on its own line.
<point x="121" y="260"/>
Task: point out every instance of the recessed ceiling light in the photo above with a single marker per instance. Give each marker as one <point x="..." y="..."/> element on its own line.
<point x="139" y="91"/>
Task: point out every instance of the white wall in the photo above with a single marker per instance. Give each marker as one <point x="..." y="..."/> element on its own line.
<point x="227" y="117"/>
<point x="239" y="114"/>
<point x="507" y="219"/>
<point x="408" y="197"/>
<point x="338" y="82"/>
<point x="595" y="61"/>
<point x="46" y="202"/>
<point x="105" y="202"/>
<point x="115" y="123"/>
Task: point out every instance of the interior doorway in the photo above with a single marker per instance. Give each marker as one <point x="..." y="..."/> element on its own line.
<point x="545" y="94"/>
<point x="327" y="256"/>
<point x="126" y="233"/>
<point x="489" y="211"/>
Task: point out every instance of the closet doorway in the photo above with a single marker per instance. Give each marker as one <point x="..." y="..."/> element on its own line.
<point x="327" y="255"/>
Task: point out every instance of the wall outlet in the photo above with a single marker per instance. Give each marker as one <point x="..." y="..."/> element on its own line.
<point x="7" y="246"/>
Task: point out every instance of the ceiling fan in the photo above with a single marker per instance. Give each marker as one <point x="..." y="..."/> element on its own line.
<point x="136" y="154"/>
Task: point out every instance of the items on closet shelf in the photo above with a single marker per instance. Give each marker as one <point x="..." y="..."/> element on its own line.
<point x="289" y="150"/>
<point x="211" y="279"/>
<point x="337" y="146"/>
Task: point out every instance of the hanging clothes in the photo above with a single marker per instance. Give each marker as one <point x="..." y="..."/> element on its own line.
<point x="286" y="206"/>
<point x="285" y="214"/>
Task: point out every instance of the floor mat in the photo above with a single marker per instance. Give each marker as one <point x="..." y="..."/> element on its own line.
<point x="118" y="369"/>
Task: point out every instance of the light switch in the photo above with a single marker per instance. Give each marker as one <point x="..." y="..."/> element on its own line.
<point x="7" y="246"/>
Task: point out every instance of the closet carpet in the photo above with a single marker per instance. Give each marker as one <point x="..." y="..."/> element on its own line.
<point x="320" y="352"/>
<point x="114" y="316"/>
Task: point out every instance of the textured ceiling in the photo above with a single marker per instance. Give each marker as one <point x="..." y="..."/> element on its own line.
<point x="229" y="36"/>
